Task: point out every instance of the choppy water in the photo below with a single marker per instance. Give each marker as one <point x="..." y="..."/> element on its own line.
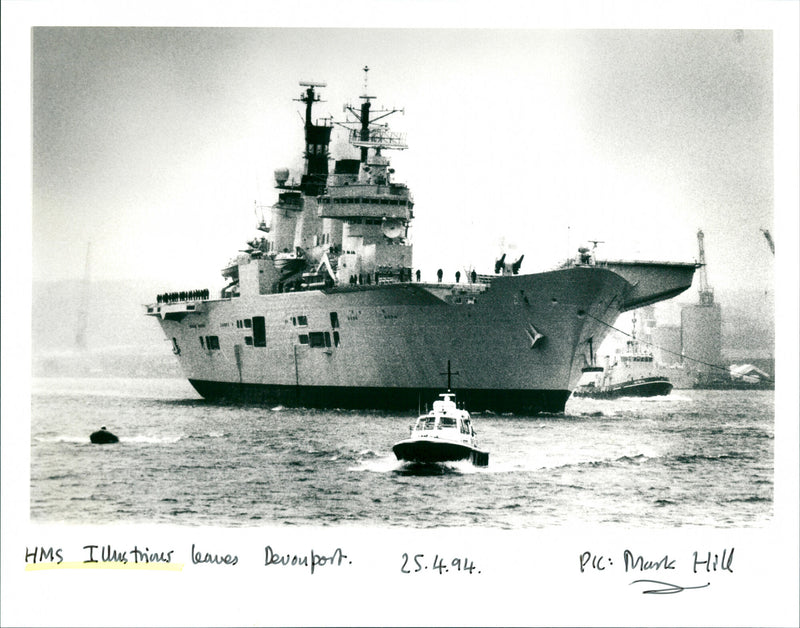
<point x="692" y="458"/>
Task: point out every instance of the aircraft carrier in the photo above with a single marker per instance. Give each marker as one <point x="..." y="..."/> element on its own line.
<point x="324" y="308"/>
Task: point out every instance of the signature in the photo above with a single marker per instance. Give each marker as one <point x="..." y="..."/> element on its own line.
<point x="668" y="588"/>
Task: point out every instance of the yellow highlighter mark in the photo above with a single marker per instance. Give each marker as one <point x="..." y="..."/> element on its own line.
<point x="105" y="565"/>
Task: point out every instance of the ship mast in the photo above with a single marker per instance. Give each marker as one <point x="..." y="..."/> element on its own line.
<point x="318" y="138"/>
<point x="706" y="292"/>
<point x="368" y="135"/>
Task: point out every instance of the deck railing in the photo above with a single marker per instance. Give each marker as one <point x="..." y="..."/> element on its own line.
<point x="183" y="295"/>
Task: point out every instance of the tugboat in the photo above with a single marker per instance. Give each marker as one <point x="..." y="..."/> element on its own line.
<point x="445" y="434"/>
<point x="634" y="374"/>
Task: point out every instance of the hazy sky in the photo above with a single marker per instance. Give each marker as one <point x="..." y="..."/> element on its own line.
<point x="154" y="144"/>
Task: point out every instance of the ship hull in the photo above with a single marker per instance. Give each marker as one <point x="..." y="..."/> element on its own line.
<point x="427" y="451"/>
<point x="517" y="345"/>
<point x="381" y="398"/>
<point x="645" y="387"/>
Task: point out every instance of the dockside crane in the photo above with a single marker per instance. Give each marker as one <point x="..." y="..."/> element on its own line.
<point x="705" y="291"/>
<point x="768" y="237"/>
<point x="83" y="311"/>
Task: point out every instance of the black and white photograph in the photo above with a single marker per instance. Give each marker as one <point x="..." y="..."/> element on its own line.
<point x="429" y="317"/>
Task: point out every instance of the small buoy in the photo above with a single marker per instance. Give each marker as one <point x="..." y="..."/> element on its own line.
<point x="103" y="436"/>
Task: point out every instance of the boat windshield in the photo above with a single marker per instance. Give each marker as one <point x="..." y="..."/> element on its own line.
<point x="426" y="422"/>
<point x="447" y="421"/>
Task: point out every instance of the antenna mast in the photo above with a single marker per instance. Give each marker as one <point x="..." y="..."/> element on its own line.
<point x="449" y="373"/>
<point x="368" y="134"/>
<point x="318" y="138"/>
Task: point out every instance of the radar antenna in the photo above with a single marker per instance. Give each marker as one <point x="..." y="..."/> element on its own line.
<point x="309" y="97"/>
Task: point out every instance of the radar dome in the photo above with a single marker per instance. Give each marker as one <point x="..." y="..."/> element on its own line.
<point x="392" y="228"/>
<point x="281" y="176"/>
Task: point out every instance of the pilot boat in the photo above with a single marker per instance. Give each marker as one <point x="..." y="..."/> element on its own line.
<point x="445" y="434"/>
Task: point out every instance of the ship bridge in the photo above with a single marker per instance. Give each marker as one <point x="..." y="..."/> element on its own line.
<point x="366" y="201"/>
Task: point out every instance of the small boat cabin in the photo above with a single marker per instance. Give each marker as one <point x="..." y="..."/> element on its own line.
<point x="445" y="416"/>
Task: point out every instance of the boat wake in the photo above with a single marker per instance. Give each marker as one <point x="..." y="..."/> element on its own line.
<point x="374" y="464"/>
<point x="673" y="397"/>
<point x="611" y="461"/>
<point x="84" y="439"/>
<point x="62" y="439"/>
<point x="155" y="440"/>
<point x="426" y="469"/>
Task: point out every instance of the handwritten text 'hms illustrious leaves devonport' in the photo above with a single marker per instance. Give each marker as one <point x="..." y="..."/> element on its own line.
<point x="108" y="556"/>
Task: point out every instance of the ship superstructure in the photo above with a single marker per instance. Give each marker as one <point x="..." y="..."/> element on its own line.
<point x="324" y="309"/>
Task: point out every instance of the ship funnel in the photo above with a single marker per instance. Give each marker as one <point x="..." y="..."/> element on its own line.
<point x="281" y="176"/>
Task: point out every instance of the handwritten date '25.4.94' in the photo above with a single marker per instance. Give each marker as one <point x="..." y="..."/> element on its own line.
<point x="420" y="563"/>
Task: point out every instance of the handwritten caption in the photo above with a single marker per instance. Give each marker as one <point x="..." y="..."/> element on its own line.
<point x="137" y="557"/>
<point x="701" y="562"/>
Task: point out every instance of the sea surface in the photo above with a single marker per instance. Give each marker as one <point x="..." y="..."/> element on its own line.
<point x="695" y="457"/>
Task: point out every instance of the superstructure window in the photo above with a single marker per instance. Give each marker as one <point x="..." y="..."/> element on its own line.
<point x="248" y="323"/>
<point x="334" y="320"/>
<point x="212" y="342"/>
<point x="303" y="339"/>
<point x="202" y="343"/>
<point x="300" y="321"/>
<point x="336" y="339"/>
<point x="316" y="339"/>
<point x="248" y="340"/>
<point x="259" y="332"/>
